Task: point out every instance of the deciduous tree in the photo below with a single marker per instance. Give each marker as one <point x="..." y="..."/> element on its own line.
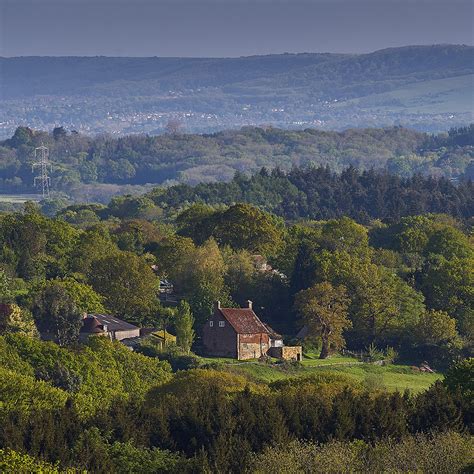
<point x="54" y="311"/>
<point x="128" y="284"/>
<point x="324" y="312"/>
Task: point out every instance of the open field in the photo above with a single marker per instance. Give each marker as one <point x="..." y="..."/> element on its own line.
<point x="19" y="198"/>
<point x="391" y="377"/>
<point x="447" y="95"/>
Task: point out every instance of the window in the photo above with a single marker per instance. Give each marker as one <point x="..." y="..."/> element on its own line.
<point x="211" y="324"/>
<point x="221" y="324"/>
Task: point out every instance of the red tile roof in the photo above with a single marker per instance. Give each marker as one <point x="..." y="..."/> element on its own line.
<point x="243" y="320"/>
<point x="273" y="334"/>
<point x="91" y="325"/>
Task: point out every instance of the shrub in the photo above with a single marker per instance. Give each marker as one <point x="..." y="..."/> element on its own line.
<point x="14" y="462"/>
<point x="442" y="453"/>
<point x="373" y="382"/>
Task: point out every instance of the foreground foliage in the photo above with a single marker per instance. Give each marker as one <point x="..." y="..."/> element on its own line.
<point x="105" y="409"/>
<point x="442" y="453"/>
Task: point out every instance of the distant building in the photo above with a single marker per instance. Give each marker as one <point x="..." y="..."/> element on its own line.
<point x="239" y="333"/>
<point x="163" y="338"/>
<point x="109" y="326"/>
<point x="262" y="266"/>
<point x="166" y="287"/>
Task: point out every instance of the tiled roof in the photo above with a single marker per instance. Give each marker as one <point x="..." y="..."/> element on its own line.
<point x="243" y="320"/>
<point x="91" y="325"/>
<point x="272" y="332"/>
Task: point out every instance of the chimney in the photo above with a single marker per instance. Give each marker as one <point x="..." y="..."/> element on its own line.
<point x="217" y="305"/>
<point x="249" y="304"/>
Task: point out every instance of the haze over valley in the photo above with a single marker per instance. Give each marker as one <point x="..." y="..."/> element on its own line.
<point x="428" y="88"/>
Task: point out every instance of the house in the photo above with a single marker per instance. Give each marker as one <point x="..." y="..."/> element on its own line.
<point x="262" y="266"/>
<point x="166" y="287"/>
<point x="109" y="326"/>
<point x="239" y="333"/>
<point x="235" y="332"/>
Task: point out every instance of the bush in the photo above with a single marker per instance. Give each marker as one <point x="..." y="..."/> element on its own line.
<point x="438" y="454"/>
<point x="373" y="382"/>
<point x="14" y="462"/>
<point x="461" y="377"/>
<point x="175" y="356"/>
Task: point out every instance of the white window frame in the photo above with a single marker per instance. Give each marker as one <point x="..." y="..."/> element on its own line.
<point x="211" y="324"/>
<point x="221" y="324"/>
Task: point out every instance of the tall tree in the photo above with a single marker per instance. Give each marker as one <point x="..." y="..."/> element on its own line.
<point x="128" y="284"/>
<point x="324" y="312"/>
<point x="54" y="311"/>
<point x="184" y="324"/>
<point x="6" y="293"/>
<point x="243" y="226"/>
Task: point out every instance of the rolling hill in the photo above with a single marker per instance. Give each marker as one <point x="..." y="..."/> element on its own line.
<point x="426" y="87"/>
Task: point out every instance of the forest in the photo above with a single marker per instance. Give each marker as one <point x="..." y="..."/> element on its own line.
<point x="399" y="284"/>
<point x="86" y="168"/>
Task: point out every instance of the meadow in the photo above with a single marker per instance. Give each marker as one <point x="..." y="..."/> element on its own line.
<point x="19" y="198"/>
<point x="392" y="377"/>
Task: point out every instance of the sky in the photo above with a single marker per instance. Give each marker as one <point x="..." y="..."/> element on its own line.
<point x="223" y="28"/>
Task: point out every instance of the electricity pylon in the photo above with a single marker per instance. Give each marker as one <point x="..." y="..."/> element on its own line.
<point x="42" y="162"/>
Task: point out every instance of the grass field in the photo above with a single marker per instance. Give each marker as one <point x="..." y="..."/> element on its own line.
<point x="391" y="377"/>
<point x="19" y="198"/>
<point x="446" y="95"/>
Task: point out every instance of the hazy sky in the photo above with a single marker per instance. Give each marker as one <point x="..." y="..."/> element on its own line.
<point x="226" y="27"/>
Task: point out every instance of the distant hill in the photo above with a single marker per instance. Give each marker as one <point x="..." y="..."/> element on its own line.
<point x="425" y="87"/>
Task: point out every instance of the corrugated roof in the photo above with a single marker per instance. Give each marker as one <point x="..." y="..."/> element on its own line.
<point x="243" y="320"/>
<point x="113" y="323"/>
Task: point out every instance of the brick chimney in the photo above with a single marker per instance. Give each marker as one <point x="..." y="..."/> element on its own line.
<point x="249" y="304"/>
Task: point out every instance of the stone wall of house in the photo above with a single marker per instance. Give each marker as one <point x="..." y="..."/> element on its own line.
<point x="286" y="352"/>
<point x="252" y="346"/>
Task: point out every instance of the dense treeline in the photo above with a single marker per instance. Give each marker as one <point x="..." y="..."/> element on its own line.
<point x="318" y="193"/>
<point x="205" y="420"/>
<point x="405" y="284"/>
<point x="103" y="162"/>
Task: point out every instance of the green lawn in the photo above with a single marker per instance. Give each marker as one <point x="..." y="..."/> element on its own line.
<point x="391" y="377"/>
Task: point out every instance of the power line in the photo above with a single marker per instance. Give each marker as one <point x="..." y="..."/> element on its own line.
<point x="42" y="162"/>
